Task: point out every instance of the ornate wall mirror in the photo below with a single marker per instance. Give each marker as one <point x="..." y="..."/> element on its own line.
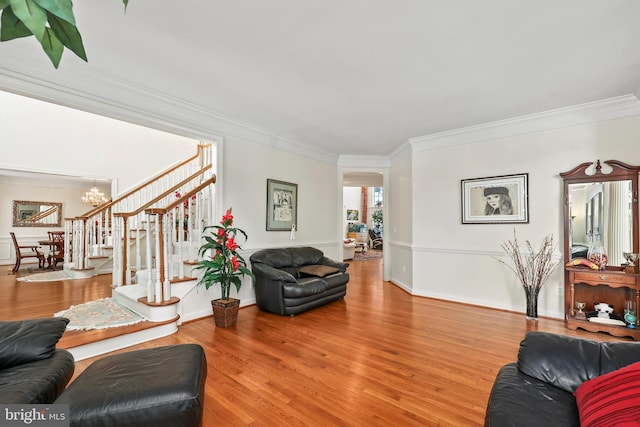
<point x="601" y="202"/>
<point x="36" y="214"/>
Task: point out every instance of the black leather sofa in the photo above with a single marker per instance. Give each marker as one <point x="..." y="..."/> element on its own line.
<point x="292" y="280"/>
<point x="159" y="386"/>
<point x="32" y="369"/>
<point x="537" y="390"/>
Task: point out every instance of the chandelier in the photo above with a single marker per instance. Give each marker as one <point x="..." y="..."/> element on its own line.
<point x="94" y="197"/>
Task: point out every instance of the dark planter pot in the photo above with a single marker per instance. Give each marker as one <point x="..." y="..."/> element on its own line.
<point x="225" y="312"/>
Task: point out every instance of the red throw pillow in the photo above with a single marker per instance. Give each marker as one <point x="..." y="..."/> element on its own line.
<point x="611" y="399"/>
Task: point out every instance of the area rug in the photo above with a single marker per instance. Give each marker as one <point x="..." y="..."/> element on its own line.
<point x="45" y="277"/>
<point x="370" y="254"/>
<point x="100" y="314"/>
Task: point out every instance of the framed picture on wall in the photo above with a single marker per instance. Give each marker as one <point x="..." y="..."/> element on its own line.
<point x="352" y="214"/>
<point x="496" y="200"/>
<point x="282" y="205"/>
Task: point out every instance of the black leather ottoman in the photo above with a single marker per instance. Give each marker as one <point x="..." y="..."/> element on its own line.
<point x="161" y="386"/>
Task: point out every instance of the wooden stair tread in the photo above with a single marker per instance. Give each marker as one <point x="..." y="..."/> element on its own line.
<point x="172" y="300"/>
<point x="72" y="339"/>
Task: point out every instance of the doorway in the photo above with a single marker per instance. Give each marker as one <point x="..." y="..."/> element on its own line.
<point x="364" y="213"/>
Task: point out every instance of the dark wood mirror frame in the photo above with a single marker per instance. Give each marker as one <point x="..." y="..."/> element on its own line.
<point x="28" y="213"/>
<point x="613" y="285"/>
<point x="581" y="175"/>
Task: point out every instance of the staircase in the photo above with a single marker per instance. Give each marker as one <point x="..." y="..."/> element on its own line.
<point x="148" y="239"/>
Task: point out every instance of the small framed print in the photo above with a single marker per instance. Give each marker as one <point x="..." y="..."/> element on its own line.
<point x="282" y="205"/>
<point x="496" y="200"/>
<point x="352" y="214"/>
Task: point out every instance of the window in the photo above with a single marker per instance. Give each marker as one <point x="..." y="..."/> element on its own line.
<point x="378" y="196"/>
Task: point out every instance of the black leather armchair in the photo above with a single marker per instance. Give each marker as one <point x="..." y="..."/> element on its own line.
<point x="537" y="390"/>
<point x="32" y="369"/>
<point x="292" y="280"/>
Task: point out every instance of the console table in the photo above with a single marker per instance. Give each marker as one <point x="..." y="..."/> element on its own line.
<point x="612" y="286"/>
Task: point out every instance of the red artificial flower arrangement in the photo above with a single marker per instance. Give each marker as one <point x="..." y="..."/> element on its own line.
<point x="224" y="265"/>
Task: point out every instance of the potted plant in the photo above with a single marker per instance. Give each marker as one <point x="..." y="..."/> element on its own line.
<point x="224" y="265"/>
<point x="377" y="219"/>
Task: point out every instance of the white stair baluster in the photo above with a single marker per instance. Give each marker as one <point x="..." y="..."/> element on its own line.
<point x="158" y="283"/>
<point x="138" y="241"/>
<point x="167" y="282"/>
<point x="148" y="237"/>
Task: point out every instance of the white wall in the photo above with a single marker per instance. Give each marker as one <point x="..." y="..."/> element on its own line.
<point x="71" y="142"/>
<point x="44" y="137"/>
<point x="456" y="262"/>
<point x="398" y="227"/>
<point x="70" y="197"/>
<point x="247" y="166"/>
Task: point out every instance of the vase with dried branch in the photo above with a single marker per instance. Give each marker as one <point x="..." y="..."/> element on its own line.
<point x="532" y="268"/>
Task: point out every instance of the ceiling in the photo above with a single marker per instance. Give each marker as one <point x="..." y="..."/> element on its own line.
<point x="355" y="77"/>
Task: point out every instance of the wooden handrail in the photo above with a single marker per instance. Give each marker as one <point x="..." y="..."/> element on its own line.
<point x="107" y="205"/>
<point x="166" y="193"/>
<point x="182" y="199"/>
<point x="114" y="218"/>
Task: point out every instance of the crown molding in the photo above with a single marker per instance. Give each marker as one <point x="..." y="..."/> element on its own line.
<point x="404" y="150"/>
<point x="606" y="109"/>
<point x="88" y="89"/>
<point x="119" y="99"/>
<point x="352" y="161"/>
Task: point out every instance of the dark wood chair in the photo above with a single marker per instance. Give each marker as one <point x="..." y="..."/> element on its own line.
<point x="57" y="249"/>
<point x="375" y="239"/>
<point x="23" y="251"/>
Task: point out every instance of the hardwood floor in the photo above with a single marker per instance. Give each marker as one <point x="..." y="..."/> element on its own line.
<point x="380" y="357"/>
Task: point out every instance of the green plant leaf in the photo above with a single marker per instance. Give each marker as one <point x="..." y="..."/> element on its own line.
<point x="4" y="3"/>
<point x="68" y="34"/>
<point x="126" y="3"/>
<point x="63" y="9"/>
<point x="52" y="46"/>
<point x="11" y="27"/>
<point x="32" y="15"/>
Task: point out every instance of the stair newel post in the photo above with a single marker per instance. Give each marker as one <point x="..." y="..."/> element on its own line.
<point x="166" y="284"/>
<point x="126" y="269"/>
<point x="181" y="227"/>
<point x="99" y="233"/>
<point x="88" y="233"/>
<point x="190" y="218"/>
<point x="83" y="249"/>
<point x="93" y="236"/>
<point x="180" y="223"/>
<point x="150" y="293"/>
<point x="68" y="240"/>
<point x="197" y="228"/>
<point x="106" y="226"/>
<point x="76" y="243"/>
<point x="211" y="204"/>
<point x="137" y="242"/>
<point x="158" y="252"/>
<point x="117" y="250"/>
